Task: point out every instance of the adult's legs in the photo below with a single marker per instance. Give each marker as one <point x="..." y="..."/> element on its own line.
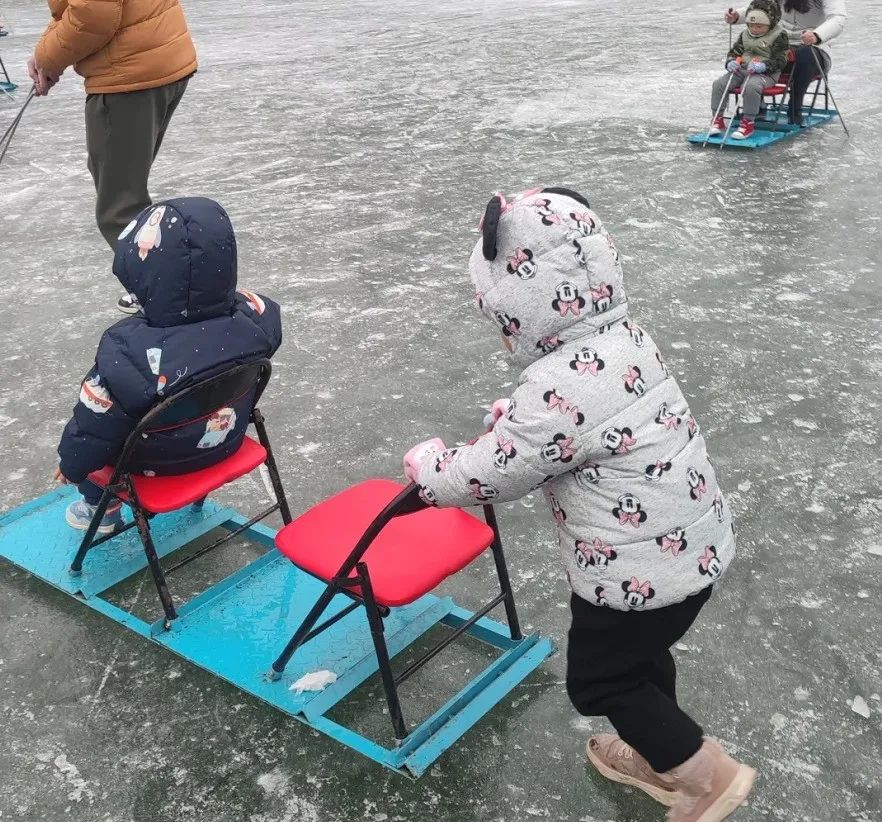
<point x="124" y="132"/>
<point x="803" y="70"/>
<point x="619" y="666"/>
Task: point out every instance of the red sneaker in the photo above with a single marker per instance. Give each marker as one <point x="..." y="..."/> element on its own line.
<point x="745" y="130"/>
<point x="718" y="127"/>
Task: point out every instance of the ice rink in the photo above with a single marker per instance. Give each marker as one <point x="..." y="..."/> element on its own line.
<point x="355" y="145"/>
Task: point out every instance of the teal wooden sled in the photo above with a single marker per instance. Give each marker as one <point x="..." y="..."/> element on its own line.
<point x="774" y="129"/>
<point x="234" y="628"/>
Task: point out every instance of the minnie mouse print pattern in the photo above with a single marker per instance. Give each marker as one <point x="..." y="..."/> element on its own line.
<point x="597" y="412"/>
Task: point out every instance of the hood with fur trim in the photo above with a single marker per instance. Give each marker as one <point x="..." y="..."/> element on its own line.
<point x="768" y="7"/>
<point x="546" y="272"/>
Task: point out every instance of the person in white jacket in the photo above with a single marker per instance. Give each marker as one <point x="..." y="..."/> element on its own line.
<point x="600" y="424"/>
<point x="810" y="26"/>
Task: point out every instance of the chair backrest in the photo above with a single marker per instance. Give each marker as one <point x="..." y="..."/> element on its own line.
<point x="407" y="501"/>
<point x="198" y="401"/>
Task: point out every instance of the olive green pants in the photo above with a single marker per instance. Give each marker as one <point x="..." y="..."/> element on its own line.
<point x="123" y="134"/>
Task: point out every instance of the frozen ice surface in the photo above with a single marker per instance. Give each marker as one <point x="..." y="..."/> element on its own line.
<point x="354" y="144"/>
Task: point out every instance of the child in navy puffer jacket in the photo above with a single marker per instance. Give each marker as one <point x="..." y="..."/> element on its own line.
<point x="599" y="423"/>
<point x="179" y="259"/>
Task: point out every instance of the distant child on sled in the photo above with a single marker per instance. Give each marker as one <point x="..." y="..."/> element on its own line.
<point x="600" y="425"/>
<point x="754" y="63"/>
<point x="179" y="258"/>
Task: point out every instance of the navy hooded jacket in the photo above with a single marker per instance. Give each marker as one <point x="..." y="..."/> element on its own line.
<point x="179" y="258"/>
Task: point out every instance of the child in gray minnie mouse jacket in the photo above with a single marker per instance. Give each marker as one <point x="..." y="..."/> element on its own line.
<point x="598" y="422"/>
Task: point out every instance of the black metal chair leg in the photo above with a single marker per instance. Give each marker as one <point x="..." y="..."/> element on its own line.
<point x="155" y="568"/>
<point x="502" y="572"/>
<point x="76" y="567"/>
<point x="377" y="632"/>
<point x="275" y="479"/>
<point x="299" y="637"/>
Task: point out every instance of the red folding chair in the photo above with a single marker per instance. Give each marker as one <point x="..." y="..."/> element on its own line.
<point x="379" y="544"/>
<point x="148" y="496"/>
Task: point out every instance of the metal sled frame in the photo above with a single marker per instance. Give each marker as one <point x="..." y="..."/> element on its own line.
<point x="234" y="628"/>
<point x="775" y="126"/>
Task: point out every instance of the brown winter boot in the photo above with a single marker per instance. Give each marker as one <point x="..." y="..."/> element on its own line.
<point x="711" y="785"/>
<point x="618" y="761"/>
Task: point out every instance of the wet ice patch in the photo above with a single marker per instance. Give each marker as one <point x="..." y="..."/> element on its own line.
<point x="295" y="809"/>
<point x="808" y="425"/>
<point x="308" y="448"/>
<point x="79" y="787"/>
<point x="273" y="782"/>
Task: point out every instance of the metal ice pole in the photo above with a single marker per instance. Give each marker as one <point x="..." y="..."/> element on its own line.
<point x="6" y="139"/>
<point x="827" y="83"/>
<point x="722" y="104"/>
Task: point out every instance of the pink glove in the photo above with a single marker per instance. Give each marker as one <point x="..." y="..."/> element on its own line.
<point x="414" y="459"/>
<point x="497" y="410"/>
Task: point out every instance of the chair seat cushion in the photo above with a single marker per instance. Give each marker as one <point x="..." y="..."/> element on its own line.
<point x="159" y="495"/>
<point x="411" y="555"/>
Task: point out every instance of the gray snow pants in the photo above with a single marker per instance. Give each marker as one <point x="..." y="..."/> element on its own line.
<point x="751" y="91"/>
<point x="123" y="134"/>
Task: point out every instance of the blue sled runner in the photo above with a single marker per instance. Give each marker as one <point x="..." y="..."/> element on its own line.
<point x="768" y="131"/>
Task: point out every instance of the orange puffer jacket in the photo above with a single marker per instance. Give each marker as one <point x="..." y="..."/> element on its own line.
<point x="118" y="45"/>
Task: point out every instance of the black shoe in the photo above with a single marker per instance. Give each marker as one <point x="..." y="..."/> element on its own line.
<point x="128" y="304"/>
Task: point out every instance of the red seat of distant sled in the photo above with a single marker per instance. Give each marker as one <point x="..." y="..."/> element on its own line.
<point x="159" y="495"/>
<point x="411" y="555"/>
<point x="779" y="88"/>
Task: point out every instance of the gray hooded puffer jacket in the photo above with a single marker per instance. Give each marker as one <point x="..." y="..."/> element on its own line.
<point x="597" y="420"/>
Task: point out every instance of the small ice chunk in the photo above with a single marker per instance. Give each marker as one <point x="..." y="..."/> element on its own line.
<point x="314" y="681"/>
<point x="860" y="707"/>
<point x="680" y="344"/>
<point x="815" y="508"/>
<point x="680" y="646"/>
<point x="863" y="595"/>
<point x="808" y="425"/>
<point x="795" y="397"/>
<point x="875" y="550"/>
<point x="745" y="486"/>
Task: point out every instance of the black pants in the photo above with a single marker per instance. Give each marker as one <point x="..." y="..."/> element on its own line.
<point x="619" y="665"/>
<point x="802" y="72"/>
<point x="91" y="492"/>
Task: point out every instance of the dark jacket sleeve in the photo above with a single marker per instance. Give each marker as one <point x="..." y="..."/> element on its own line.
<point x="778" y="59"/>
<point x="95" y="435"/>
